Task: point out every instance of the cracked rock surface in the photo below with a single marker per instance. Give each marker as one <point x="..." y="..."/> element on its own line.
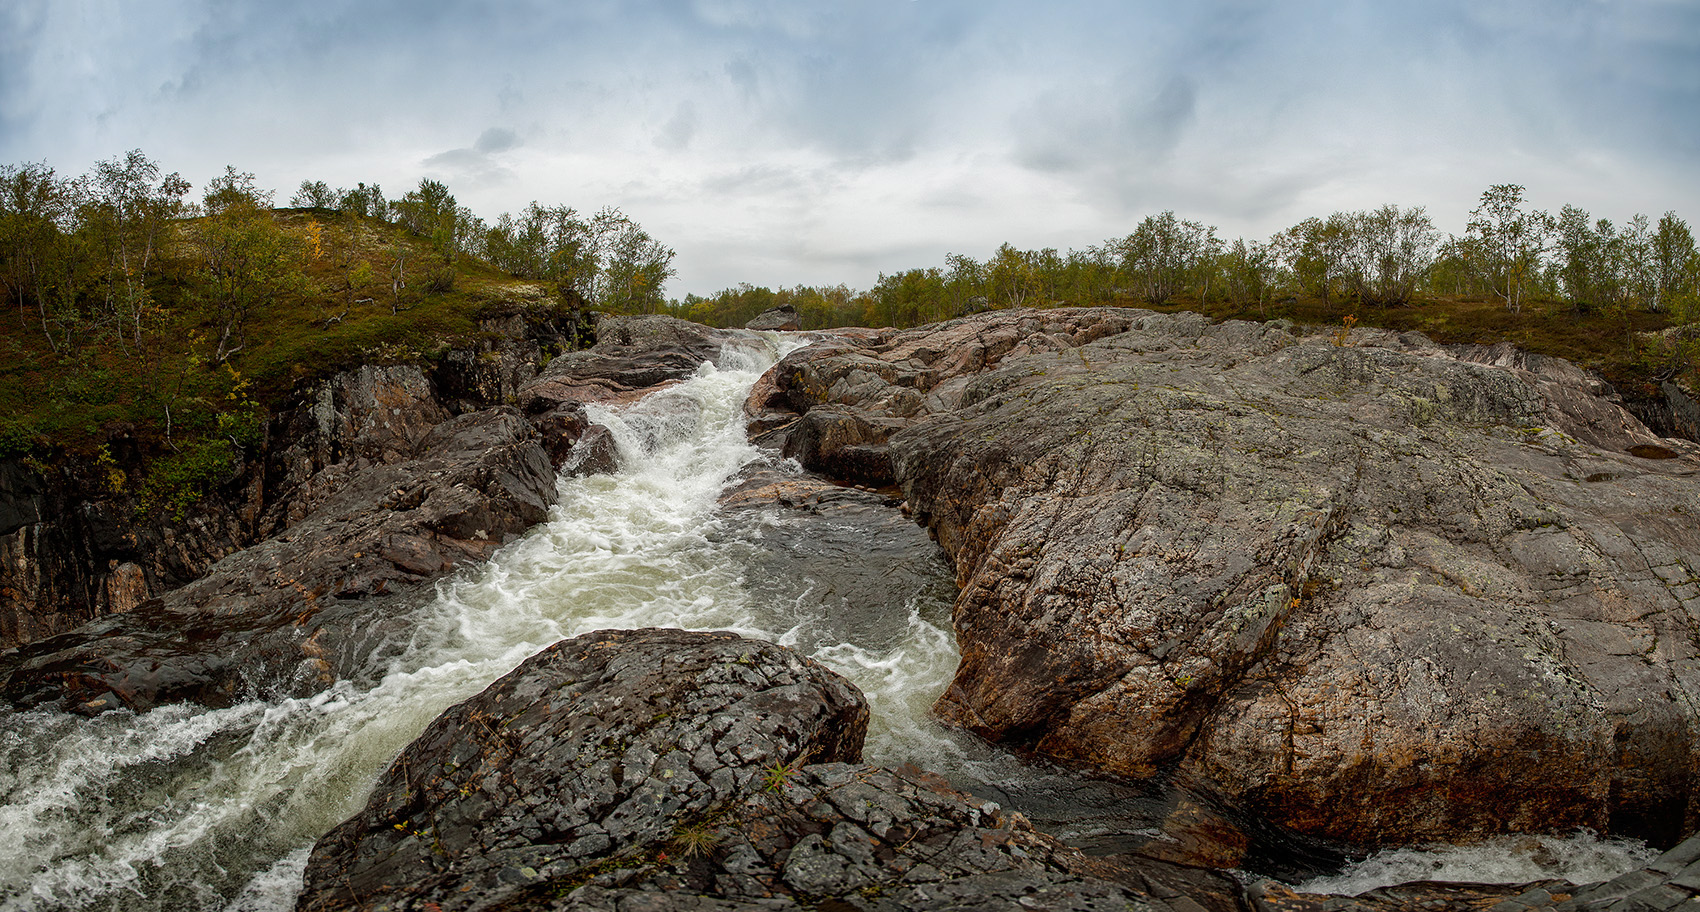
<point x="665" y="769"/>
<point x="1379" y="591"/>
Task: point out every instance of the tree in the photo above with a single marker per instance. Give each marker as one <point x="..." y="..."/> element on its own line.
<point x="1511" y="243"/>
<point x="1389" y="251"/>
<point x="1673" y="256"/>
<point x="247" y="259"/>
<point x="127" y="214"/>
<point x="36" y="210"/>
<point x="364" y="201"/>
<point x="1011" y="280"/>
<point x="1164" y="254"/>
<point x="964" y="283"/>
<point x="431" y="212"/>
<point x="1317" y="255"/>
<point x="315" y="195"/>
<point x="1249" y="271"/>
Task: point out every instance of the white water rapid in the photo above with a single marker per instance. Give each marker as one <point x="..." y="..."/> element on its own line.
<point x="185" y="808"/>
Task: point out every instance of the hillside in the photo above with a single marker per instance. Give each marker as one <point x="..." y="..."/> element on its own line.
<point x="146" y="387"/>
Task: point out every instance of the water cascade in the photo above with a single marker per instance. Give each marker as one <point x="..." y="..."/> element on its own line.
<point x="188" y="808"/>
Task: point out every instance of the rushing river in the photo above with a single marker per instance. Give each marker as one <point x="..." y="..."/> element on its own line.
<point x="184" y="808"/>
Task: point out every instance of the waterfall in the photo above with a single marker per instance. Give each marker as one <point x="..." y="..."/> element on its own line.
<point x="187" y="808"/>
<point x="190" y="808"/>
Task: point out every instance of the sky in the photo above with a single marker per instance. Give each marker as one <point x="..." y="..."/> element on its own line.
<point x="780" y="142"/>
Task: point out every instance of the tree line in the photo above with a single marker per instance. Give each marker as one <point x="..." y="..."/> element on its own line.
<point x="1383" y="257"/>
<point x="606" y="260"/>
<point x="135" y="302"/>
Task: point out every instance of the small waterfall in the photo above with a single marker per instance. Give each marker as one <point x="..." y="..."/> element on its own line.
<point x="1581" y="858"/>
<point x="185" y="808"/>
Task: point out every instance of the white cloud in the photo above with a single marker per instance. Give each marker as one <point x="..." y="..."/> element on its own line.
<point x="777" y="142"/>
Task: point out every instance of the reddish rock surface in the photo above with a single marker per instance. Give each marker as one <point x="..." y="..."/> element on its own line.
<point x="1378" y="592"/>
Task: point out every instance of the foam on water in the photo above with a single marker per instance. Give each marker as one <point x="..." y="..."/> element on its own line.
<point x="1580" y="858"/>
<point x="184" y="808"/>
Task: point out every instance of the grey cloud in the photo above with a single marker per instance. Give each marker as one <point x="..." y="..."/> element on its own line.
<point x="677" y="132"/>
<point x="477" y="167"/>
<point x="757" y="179"/>
<point x="496" y="139"/>
<point x="1067" y="130"/>
<point x="743" y="76"/>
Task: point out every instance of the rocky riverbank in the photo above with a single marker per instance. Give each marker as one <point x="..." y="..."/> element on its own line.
<point x="1379" y="590"/>
<point x="1355" y="588"/>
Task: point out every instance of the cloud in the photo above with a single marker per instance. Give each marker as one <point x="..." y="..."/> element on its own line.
<point x="676" y="134"/>
<point x="842" y="138"/>
<point x="476" y="167"/>
<point x="496" y="139"/>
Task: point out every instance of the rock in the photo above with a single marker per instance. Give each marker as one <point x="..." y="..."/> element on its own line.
<point x="295" y="612"/>
<point x="839" y="557"/>
<point x="594" y="453"/>
<point x="1381" y="592"/>
<point x="379" y="489"/>
<point x="783" y="318"/>
<point x="76" y="549"/>
<point x="600" y="748"/>
<point x="666" y="769"/>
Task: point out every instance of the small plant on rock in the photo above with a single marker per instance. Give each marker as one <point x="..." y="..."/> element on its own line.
<point x="777" y="776"/>
<point x="696" y="839"/>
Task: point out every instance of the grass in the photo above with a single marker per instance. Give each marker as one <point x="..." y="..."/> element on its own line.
<point x="173" y="423"/>
<point x="1594" y="340"/>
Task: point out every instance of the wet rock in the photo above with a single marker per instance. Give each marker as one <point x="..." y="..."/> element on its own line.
<point x="631" y="354"/>
<point x="665" y="769"/>
<point x="594" y="453"/>
<point x="1380" y="592"/>
<point x="603" y="747"/>
<point x="293" y="613"/>
<point x="841" y="559"/>
<point x="783" y="318"/>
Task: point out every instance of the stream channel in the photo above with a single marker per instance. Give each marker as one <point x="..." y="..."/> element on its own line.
<point x="187" y="808"/>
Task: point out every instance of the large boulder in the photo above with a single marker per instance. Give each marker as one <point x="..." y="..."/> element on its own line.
<point x="1378" y="591"/>
<point x="662" y="769"/>
<point x="783" y="318"/>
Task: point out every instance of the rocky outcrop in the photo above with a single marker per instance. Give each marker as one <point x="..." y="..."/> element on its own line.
<point x="1379" y="591"/>
<point x="666" y="769"/>
<point x="633" y="356"/>
<point x="834" y="553"/>
<point x="76" y="544"/>
<point x="309" y="605"/>
<point x="783" y="318"/>
<point x="381" y="483"/>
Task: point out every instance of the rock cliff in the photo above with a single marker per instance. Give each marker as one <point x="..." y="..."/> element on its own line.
<point x="382" y="481"/>
<point x="1376" y="589"/>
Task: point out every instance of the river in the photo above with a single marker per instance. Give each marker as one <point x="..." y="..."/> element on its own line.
<point x="186" y="808"/>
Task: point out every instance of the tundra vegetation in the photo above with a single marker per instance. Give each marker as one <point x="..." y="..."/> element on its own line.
<point x="178" y="324"/>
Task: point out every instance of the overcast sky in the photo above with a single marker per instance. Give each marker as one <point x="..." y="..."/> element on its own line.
<point x="782" y="141"/>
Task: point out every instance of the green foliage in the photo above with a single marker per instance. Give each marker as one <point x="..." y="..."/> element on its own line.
<point x="175" y="482"/>
<point x="776" y="777"/>
<point x="17" y="438"/>
<point x="440" y="280"/>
